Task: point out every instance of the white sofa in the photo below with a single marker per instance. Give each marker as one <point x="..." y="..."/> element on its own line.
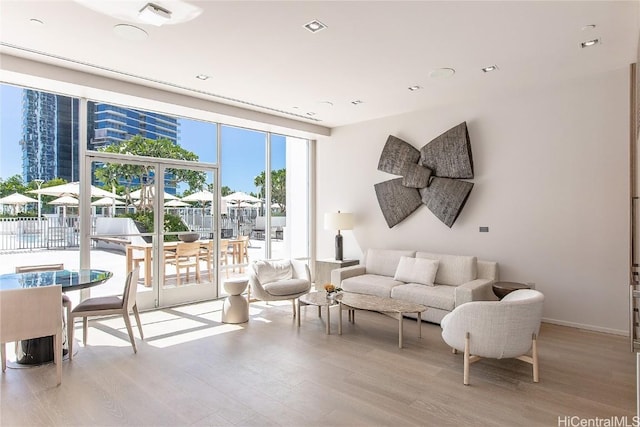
<point x="440" y="282"/>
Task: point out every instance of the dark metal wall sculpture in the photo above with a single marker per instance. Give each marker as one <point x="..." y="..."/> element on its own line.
<point x="430" y="176"/>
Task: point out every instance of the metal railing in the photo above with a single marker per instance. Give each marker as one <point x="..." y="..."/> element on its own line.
<point x="17" y="234"/>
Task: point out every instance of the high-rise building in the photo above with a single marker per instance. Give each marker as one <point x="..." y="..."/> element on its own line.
<point x="115" y="124"/>
<point x="50" y="133"/>
<point x="49" y="136"/>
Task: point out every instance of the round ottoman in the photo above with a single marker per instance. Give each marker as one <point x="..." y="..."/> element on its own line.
<point x="236" y="307"/>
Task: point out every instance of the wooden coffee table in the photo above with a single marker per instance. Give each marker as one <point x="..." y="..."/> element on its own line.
<point x="388" y="306"/>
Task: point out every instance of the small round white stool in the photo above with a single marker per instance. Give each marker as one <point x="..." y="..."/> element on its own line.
<point x="236" y="307"/>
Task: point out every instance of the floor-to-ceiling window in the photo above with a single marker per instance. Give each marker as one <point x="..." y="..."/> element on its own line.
<point x="233" y="198"/>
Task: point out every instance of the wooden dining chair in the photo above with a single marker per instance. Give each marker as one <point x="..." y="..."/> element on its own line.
<point x="224" y="255"/>
<point x="243" y="257"/>
<point x="66" y="301"/>
<point x="28" y="313"/>
<point x="187" y="256"/>
<point x="103" y="306"/>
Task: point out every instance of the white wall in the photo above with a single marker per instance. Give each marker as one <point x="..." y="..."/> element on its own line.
<point x="551" y="183"/>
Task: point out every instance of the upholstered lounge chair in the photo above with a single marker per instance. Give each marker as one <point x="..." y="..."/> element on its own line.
<point x="496" y="329"/>
<point x="279" y="280"/>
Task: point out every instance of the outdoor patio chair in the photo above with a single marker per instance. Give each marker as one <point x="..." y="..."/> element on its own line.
<point x="224" y="255"/>
<point x="66" y="301"/>
<point x="103" y="306"/>
<point x="187" y="255"/>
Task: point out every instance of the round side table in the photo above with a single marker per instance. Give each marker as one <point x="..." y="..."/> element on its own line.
<point x="236" y="307"/>
<point x="502" y="289"/>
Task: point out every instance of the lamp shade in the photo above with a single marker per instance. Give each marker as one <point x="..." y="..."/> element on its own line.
<point x="338" y="221"/>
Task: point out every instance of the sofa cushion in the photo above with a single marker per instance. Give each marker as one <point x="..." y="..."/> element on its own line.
<point x="384" y="262"/>
<point x="453" y="270"/>
<point x="287" y="287"/>
<point x="438" y="296"/>
<point x="370" y="284"/>
<point x="417" y="270"/>
<point x="272" y="271"/>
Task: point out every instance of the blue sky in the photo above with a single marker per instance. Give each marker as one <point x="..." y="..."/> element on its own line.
<point x="243" y="151"/>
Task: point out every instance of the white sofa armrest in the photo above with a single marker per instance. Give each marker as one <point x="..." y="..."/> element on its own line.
<point x="339" y="274"/>
<point x="475" y="290"/>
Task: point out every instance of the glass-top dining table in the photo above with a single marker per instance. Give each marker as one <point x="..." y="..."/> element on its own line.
<point x="40" y="350"/>
<point x="70" y="280"/>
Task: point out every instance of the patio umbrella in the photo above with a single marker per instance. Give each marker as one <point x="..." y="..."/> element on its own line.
<point x="136" y="194"/>
<point x="175" y="204"/>
<point x="107" y="201"/>
<point x="65" y="201"/>
<point x="17" y="200"/>
<point x="239" y="197"/>
<point x="200" y="196"/>
<point x="73" y="189"/>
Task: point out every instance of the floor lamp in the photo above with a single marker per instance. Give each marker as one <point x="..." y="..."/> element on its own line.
<point x="338" y="221"/>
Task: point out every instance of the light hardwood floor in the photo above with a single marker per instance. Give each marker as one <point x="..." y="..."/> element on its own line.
<point x="193" y="370"/>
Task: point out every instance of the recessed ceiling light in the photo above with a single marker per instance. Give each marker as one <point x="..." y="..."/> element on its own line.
<point x="315" y="26"/>
<point x="36" y="22"/>
<point x="130" y="32"/>
<point x="442" y="73"/>
<point x="414" y="88"/>
<point x="356" y="102"/>
<point x="590" y="43"/>
<point x="589" y="27"/>
<point x="154" y="14"/>
<point x="311" y="113"/>
<point x="490" y="68"/>
<point x="203" y="77"/>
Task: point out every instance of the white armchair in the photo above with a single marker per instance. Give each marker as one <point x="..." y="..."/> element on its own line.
<point x="496" y="329"/>
<point x="279" y="280"/>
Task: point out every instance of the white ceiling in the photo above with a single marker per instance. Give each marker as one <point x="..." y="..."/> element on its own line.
<point x="260" y="57"/>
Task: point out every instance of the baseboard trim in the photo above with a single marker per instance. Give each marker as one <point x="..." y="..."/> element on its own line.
<point x="587" y="327"/>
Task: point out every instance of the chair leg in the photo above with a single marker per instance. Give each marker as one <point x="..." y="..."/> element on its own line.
<point x="57" y="355"/>
<point x="454" y="351"/>
<point x="466" y="359"/>
<point x="127" y="322"/>
<point x="135" y="312"/>
<point x="85" y="329"/>
<point x="534" y="356"/>
<point x="293" y="302"/>
<point x="3" y="355"/>
<point x="69" y="332"/>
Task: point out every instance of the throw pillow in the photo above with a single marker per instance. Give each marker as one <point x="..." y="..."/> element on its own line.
<point x="272" y="271"/>
<point x="417" y="270"/>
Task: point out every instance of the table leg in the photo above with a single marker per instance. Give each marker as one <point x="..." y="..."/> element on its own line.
<point x="129" y="259"/>
<point x="400" y="330"/>
<point x="147" y="266"/>
<point x="319" y="312"/>
<point x="299" y="304"/>
<point x="328" y="320"/>
<point x="340" y="319"/>
<point x="419" y="325"/>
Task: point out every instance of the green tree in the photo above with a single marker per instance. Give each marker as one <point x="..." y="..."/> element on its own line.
<point x="278" y="187"/>
<point x="143" y="176"/>
<point x="13" y="184"/>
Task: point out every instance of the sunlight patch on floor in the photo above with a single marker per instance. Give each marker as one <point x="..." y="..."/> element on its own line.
<point x="183" y="337"/>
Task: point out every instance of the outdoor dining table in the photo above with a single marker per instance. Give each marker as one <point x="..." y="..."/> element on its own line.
<point x="40" y="350"/>
<point x="147" y="248"/>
